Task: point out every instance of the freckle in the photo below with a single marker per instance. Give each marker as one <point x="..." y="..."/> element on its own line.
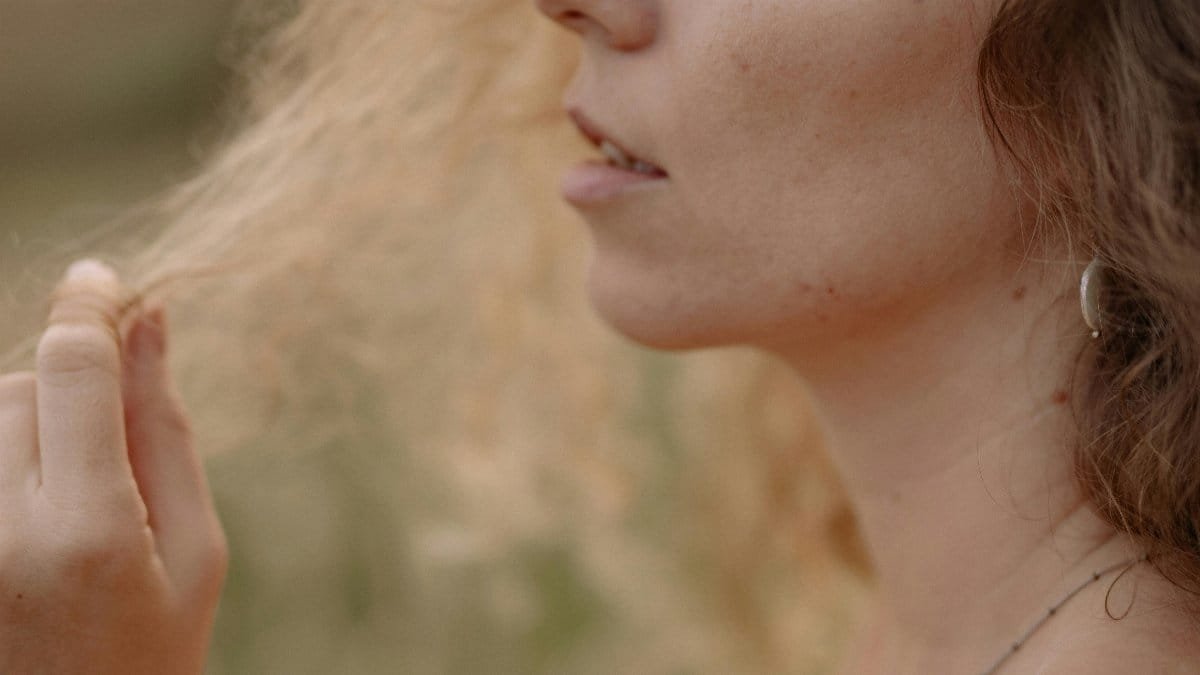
<point x="830" y="291"/>
<point x="853" y="94"/>
<point x="1061" y="397"/>
<point x="1019" y="294"/>
<point x="20" y="596"/>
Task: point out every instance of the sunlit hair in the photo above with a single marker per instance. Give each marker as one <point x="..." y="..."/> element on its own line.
<point x="377" y="257"/>
<point x="1097" y="105"/>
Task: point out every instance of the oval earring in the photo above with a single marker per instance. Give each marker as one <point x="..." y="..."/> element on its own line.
<point x="1089" y="295"/>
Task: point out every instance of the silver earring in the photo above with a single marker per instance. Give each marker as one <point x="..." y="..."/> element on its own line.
<point x="1089" y="295"/>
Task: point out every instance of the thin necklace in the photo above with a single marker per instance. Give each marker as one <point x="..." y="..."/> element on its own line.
<point x="1016" y="646"/>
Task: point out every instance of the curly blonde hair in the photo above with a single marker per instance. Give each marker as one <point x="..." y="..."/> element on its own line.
<point x="377" y="292"/>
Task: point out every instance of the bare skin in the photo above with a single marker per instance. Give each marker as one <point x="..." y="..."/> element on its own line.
<point x="112" y="556"/>
<point x="832" y="199"/>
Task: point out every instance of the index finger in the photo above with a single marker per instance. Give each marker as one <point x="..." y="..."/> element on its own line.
<point x="81" y="430"/>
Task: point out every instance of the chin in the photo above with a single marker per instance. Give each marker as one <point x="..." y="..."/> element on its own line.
<point x="662" y="338"/>
<point x="663" y="322"/>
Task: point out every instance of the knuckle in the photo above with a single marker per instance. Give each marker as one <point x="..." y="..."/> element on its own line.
<point x="216" y="556"/>
<point x="97" y="553"/>
<point x="68" y="349"/>
<point x="208" y="566"/>
<point x="87" y="549"/>
<point x="112" y="509"/>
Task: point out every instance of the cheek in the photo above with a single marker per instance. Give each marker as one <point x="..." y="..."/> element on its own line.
<point x="830" y="151"/>
<point x="829" y="171"/>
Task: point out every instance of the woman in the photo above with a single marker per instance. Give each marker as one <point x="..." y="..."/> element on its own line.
<point x="896" y="200"/>
<point x="830" y="197"/>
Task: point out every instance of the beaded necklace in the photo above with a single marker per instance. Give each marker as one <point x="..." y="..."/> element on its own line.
<point x="1016" y="646"/>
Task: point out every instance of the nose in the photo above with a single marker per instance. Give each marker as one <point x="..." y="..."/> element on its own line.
<point x="622" y="24"/>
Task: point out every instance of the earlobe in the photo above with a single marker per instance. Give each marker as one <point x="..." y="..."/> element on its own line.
<point x="1089" y="295"/>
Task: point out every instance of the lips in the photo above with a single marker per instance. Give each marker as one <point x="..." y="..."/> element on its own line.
<point x="617" y="153"/>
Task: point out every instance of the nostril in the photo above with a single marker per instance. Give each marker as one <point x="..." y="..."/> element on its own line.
<point x="577" y="21"/>
<point x="574" y="18"/>
<point x="623" y="24"/>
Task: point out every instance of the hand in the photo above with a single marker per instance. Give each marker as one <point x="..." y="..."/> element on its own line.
<point x="111" y="555"/>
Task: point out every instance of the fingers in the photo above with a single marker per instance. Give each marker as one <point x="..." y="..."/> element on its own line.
<point x="18" y="433"/>
<point x="168" y="472"/>
<point x="80" y="421"/>
<point x="113" y="435"/>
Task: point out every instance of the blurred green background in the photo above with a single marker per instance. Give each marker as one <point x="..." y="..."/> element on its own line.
<point x="104" y="104"/>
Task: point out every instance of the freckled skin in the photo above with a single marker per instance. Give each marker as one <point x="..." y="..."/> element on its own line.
<point x="832" y="199"/>
<point x="809" y="144"/>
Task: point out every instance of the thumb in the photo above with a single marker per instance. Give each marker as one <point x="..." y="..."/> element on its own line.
<point x="80" y="434"/>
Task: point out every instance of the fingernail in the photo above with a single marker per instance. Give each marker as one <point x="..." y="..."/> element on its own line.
<point x="89" y="268"/>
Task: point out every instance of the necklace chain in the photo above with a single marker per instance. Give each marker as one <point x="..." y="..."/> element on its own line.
<point x="1016" y="646"/>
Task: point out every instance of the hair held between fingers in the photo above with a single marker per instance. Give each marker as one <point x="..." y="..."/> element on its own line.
<point x="90" y="293"/>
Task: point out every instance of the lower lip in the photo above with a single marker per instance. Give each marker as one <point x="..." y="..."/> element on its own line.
<point x="596" y="182"/>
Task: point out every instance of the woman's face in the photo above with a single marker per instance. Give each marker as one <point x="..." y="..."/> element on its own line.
<point x="828" y="174"/>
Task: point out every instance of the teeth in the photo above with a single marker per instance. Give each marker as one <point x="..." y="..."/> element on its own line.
<point x="616" y="155"/>
<point x="644" y="167"/>
<point x="619" y="158"/>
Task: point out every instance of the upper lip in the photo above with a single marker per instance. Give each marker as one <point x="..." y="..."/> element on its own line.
<point x="597" y="135"/>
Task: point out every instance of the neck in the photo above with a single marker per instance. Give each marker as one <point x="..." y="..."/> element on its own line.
<point x="952" y="433"/>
